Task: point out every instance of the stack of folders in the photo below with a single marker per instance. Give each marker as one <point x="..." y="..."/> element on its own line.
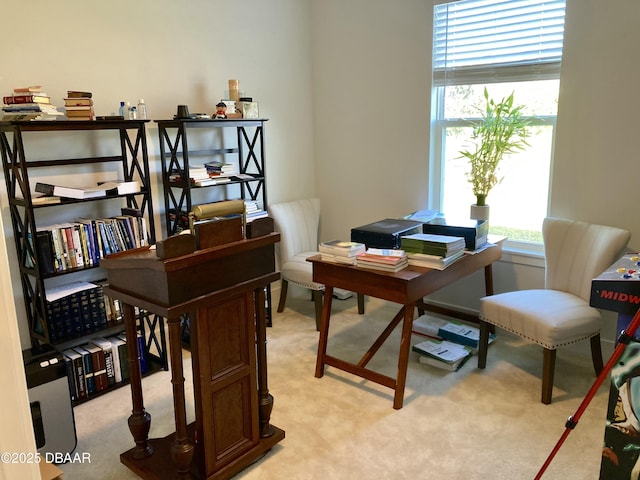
<point x="432" y="251"/>
<point x="341" y="251"/>
<point x="383" y="259"/>
<point x="442" y="354"/>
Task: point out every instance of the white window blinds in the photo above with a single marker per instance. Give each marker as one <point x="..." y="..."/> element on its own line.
<point x="483" y="41"/>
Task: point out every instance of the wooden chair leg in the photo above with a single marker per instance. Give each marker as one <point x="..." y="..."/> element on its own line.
<point x="596" y="354"/>
<point x="483" y="344"/>
<point x="361" y="304"/>
<point x="548" y="368"/>
<point x="317" y="300"/>
<point x="284" y="286"/>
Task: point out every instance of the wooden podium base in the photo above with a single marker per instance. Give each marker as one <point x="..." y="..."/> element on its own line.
<point x="159" y="466"/>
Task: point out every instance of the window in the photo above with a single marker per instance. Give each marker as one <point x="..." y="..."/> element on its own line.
<point x="506" y="46"/>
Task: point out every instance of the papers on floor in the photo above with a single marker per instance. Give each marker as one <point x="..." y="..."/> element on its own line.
<point x="442" y="354"/>
<point x="466" y="337"/>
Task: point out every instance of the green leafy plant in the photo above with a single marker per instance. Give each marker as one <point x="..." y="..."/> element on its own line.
<point x="501" y="130"/>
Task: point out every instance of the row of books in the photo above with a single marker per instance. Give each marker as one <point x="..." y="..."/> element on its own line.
<point x="75" y="309"/>
<point x="83" y="243"/>
<point x="450" y="343"/>
<point x="99" y="364"/>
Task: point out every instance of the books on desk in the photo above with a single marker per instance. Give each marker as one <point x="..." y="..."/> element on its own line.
<point x="431" y="244"/>
<point x="474" y="232"/>
<point x="382" y="259"/>
<point x="436" y="262"/>
<point x="442" y="354"/>
<point x="341" y="251"/>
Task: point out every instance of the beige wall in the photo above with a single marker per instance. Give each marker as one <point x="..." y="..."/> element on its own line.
<point x="345" y="84"/>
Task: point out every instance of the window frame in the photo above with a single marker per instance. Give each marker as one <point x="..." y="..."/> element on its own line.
<point x="482" y="74"/>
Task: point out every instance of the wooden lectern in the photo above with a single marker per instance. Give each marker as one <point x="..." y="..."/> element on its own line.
<point x="221" y="289"/>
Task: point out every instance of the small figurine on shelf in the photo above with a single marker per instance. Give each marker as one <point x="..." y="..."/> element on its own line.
<point x="221" y="110"/>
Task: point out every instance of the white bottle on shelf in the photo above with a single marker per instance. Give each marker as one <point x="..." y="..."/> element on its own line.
<point x="142" y="109"/>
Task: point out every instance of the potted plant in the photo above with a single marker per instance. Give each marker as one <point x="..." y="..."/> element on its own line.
<point x="501" y="130"/>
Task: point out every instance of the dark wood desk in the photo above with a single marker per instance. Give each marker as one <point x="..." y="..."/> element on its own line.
<point x="407" y="287"/>
<point x="221" y="289"/>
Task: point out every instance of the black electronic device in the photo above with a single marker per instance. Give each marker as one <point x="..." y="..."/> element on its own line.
<point x="385" y="233"/>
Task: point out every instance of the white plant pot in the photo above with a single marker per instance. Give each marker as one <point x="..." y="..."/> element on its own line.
<point x="479" y="212"/>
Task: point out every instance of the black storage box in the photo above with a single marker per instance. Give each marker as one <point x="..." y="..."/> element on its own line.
<point x="474" y="232"/>
<point x="385" y="233"/>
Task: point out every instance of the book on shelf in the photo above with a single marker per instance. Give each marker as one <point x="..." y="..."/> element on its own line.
<point x="450" y="330"/>
<point x="31" y="108"/>
<point x="120" y="187"/>
<point x="120" y="362"/>
<point x="441" y="245"/>
<point x="436" y="262"/>
<point x="88" y="369"/>
<point x="73" y="310"/>
<point x="38" y="198"/>
<point x="44" y="251"/>
<point x="78" y="102"/>
<point x="99" y="366"/>
<point x="220" y="168"/>
<point x="442" y="354"/>
<point x="142" y="355"/>
<point x="243" y="176"/>
<point x="29" y="89"/>
<point x="107" y="348"/>
<point x="207" y="182"/>
<point x="26" y="98"/>
<point x="78" y="94"/>
<point x="79" y="193"/>
<point x="76" y="368"/>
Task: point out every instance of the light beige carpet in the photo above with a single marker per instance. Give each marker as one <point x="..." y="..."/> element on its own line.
<point x="470" y="424"/>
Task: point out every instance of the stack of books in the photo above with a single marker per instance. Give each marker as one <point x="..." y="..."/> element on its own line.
<point x="29" y="103"/>
<point x="432" y="251"/>
<point x="199" y="176"/>
<point x="79" y="105"/>
<point x="253" y="210"/>
<point x="217" y="169"/>
<point x="383" y="259"/>
<point x="341" y="251"/>
<point x="442" y="354"/>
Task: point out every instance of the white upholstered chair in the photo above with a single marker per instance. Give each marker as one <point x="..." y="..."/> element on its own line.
<point x="558" y="315"/>
<point x="298" y="222"/>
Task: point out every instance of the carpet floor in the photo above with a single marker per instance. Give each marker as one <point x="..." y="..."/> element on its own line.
<point x="469" y="424"/>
